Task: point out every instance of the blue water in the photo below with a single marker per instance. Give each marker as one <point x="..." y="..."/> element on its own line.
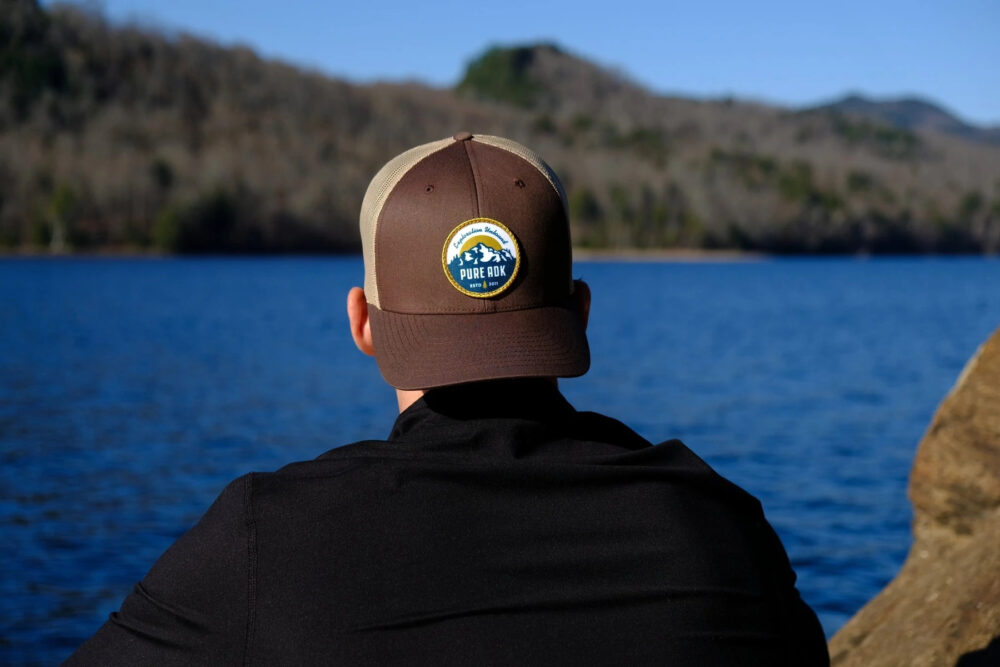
<point x="131" y="391"/>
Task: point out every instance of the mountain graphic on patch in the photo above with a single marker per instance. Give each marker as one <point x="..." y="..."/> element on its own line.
<point x="482" y="253"/>
<point x="483" y="268"/>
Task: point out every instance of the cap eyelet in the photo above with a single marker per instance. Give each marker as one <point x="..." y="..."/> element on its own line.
<point x="429" y="189"/>
<point x="519" y="183"/>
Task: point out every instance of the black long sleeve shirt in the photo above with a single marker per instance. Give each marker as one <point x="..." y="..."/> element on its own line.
<point x="495" y="526"/>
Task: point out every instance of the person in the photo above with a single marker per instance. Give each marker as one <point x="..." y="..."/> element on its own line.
<point x="496" y="525"/>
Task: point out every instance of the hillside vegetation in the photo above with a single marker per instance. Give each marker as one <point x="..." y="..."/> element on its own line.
<point x="122" y="138"/>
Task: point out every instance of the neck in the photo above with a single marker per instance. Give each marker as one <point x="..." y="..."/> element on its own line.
<point x="407" y="397"/>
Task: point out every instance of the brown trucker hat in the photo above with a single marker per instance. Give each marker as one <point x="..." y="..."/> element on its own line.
<point x="468" y="266"/>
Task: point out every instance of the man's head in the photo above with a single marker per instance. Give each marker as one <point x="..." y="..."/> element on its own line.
<point x="468" y="268"/>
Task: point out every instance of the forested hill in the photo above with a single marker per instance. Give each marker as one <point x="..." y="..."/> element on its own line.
<point x="125" y="139"/>
<point x="913" y="114"/>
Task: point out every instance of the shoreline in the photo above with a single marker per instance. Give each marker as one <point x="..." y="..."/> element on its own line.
<point x="666" y="255"/>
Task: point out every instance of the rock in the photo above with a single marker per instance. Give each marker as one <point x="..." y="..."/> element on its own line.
<point x="943" y="608"/>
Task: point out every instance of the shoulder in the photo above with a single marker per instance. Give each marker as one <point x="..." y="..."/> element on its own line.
<point x="314" y="487"/>
<point x="194" y="598"/>
<point x="217" y="542"/>
<point x="596" y="426"/>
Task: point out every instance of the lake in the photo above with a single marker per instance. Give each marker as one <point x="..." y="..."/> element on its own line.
<point x="133" y="390"/>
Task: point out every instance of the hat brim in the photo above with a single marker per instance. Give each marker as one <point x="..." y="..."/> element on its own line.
<point x="434" y="350"/>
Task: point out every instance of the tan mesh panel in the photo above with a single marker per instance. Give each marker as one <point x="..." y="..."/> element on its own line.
<point x="380" y="187"/>
<point x="529" y="156"/>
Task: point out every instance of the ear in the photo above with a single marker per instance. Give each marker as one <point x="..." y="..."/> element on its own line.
<point x="357" y="314"/>
<point x="581" y="297"/>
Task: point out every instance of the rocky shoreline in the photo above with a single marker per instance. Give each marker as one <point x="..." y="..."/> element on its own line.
<point x="943" y="608"/>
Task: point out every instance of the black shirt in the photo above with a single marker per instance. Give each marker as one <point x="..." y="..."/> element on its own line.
<point x="496" y="526"/>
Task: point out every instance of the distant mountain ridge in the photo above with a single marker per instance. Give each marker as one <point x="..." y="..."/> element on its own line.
<point x="483" y="254"/>
<point x="912" y="113"/>
<point x="116" y="137"/>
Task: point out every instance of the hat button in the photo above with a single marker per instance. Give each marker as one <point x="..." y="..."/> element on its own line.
<point x="462" y="136"/>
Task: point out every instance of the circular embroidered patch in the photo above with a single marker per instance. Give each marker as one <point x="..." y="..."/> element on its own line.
<point x="480" y="257"/>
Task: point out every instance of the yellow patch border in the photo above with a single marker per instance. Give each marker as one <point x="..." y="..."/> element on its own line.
<point x="517" y="260"/>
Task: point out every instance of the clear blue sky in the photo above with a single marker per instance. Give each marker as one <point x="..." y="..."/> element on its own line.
<point x="791" y="53"/>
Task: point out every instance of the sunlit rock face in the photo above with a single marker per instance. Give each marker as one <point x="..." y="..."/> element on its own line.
<point x="943" y="608"/>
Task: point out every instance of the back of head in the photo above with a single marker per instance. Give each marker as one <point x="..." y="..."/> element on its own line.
<point x="468" y="266"/>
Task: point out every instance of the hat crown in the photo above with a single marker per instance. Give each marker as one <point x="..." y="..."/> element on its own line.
<point x="389" y="176"/>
